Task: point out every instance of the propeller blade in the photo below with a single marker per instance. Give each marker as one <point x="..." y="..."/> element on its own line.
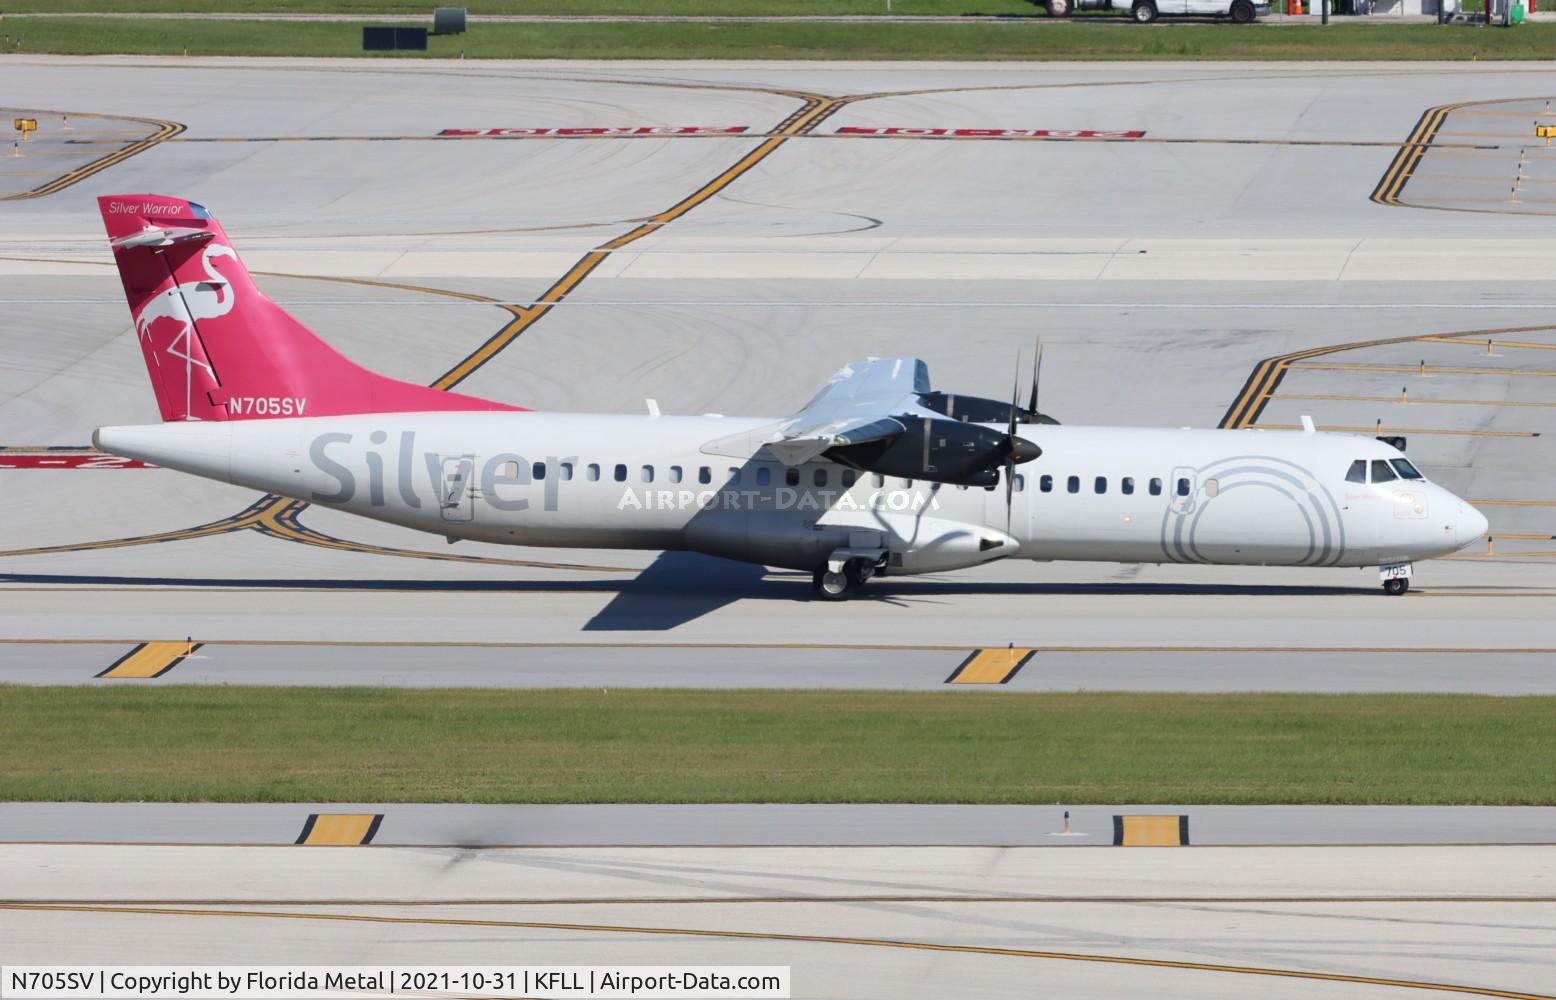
<point x="1037" y="373"/>
<point x="1015" y="400"/>
<point x="1010" y="489"/>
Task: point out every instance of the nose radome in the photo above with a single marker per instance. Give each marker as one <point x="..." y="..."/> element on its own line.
<point x="1469" y="525"/>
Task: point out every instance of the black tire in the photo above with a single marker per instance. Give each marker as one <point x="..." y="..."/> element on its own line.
<point x="1144" y="13"/>
<point x="1242" y="12"/>
<point x="1396" y="586"/>
<point x="830" y="586"/>
<point x="1059" y="8"/>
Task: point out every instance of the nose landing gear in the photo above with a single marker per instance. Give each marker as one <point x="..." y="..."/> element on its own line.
<point x="1396" y="578"/>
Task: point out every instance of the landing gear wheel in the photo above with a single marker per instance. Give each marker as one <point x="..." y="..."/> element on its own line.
<point x="1144" y="13"/>
<point x="1396" y="586"/>
<point x="1058" y="8"/>
<point x="842" y="585"/>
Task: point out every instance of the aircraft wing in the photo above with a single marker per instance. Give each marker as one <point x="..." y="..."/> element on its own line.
<point x="857" y="405"/>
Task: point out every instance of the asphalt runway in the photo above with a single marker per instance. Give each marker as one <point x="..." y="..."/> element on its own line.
<point x="851" y="922"/>
<point x="764" y="825"/>
<point x="795" y="665"/>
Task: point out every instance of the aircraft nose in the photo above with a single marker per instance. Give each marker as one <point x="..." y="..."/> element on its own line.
<point x="1468" y="524"/>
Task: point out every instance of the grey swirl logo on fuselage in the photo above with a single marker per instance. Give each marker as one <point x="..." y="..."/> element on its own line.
<point x="1316" y="537"/>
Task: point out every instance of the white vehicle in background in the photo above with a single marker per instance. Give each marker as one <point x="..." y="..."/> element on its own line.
<point x="1146" y="11"/>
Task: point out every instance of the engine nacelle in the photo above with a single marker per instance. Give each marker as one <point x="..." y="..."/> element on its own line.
<point x="977" y="410"/>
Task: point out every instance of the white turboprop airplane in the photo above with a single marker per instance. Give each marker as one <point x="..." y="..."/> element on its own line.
<point x="875" y="475"/>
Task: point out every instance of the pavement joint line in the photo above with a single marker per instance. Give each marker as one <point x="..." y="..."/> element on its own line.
<point x="1447" y="432"/>
<point x="543" y="846"/>
<point x="1145" y="140"/>
<point x="858" y="647"/>
<point x="864" y="942"/>
<point x="1410" y="401"/>
<point x="867" y="898"/>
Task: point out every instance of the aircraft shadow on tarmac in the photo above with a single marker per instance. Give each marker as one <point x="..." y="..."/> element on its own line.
<point x="680" y="587"/>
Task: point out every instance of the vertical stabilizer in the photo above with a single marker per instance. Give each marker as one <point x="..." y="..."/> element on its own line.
<point x="216" y="348"/>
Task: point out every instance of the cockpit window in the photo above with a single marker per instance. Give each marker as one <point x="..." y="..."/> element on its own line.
<point x="1381" y="473"/>
<point x="1358" y="472"/>
<point x="1405" y="469"/>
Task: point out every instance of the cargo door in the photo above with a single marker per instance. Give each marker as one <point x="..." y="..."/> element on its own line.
<point x="456" y="494"/>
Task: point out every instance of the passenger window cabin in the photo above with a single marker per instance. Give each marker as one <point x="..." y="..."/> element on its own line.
<point x="1127" y="485"/>
<point x="592" y="472"/>
<point x="764" y="476"/>
<point x="1156" y="487"/>
<point x="675" y="473"/>
<point x="538" y="471"/>
<point x="1073" y="484"/>
<point x="705" y="475"/>
<point x="621" y="473"/>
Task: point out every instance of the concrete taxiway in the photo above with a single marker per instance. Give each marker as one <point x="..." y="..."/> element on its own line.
<point x="878" y="825"/>
<point x="606" y="664"/>
<point x="855" y="922"/>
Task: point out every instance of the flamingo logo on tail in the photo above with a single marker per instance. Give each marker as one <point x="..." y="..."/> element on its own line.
<point x="185" y="304"/>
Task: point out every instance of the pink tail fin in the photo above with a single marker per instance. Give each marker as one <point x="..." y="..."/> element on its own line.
<point x="216" y="347"/>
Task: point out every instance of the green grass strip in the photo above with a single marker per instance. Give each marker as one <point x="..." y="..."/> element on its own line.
<point x="544" y="8"/>
<point x="241" y="744"/>
<point x="1083" y="39"/>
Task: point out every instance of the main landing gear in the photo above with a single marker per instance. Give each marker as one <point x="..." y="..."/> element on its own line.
<point x="842" y="583"/>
